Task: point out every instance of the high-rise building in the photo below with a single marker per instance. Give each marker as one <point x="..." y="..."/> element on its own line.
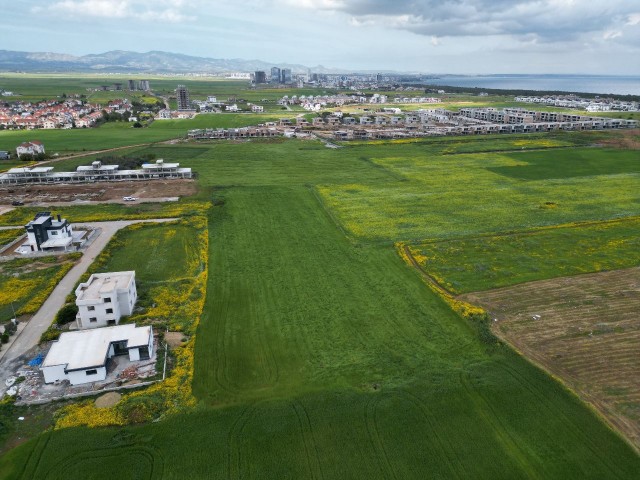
<point x="132" y="85"/>
<point x="275" y="75"/>
<point x="285" y="75"/>
<point x="260" y="77"/>
<point x="143" y="85"/>
<point x="182" y="95"/>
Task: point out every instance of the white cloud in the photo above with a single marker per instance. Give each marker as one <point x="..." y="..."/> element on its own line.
<point x="633" y="19"/>
<point x="435" y="41"/>
<point x="159" y="10"/>
<point x="611" y="34"/>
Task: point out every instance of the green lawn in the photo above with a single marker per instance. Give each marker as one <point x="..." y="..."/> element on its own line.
<point x="321" y="354"/>
<point x="492" y="261"/>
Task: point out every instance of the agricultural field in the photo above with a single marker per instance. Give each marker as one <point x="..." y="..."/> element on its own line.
<point x="491" y="261"/>
<point x="25" y="284"/>
<point x="451" y="195"/>
<point x="587" y="332"/>
<point x="320" y="353"/>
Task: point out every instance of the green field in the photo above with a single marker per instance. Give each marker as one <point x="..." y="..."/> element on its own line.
<point x="321" y="354"/>
<point x="462" y="195"/>
<point x="493" y="261"/>
<point x="25" y="284"/>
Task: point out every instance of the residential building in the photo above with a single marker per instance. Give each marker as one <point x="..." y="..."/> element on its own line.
<point x="4" y="155"/>
<point x="144" y="85"/>
<point x="82" y="356"/>
<point x="33" y="147"/>
<point x="182" y="96"/>
<point x="44" y="232"/>
<point x="132" y="85"/>
<point x="257" y="108"/>
<point x="105" y="298"/>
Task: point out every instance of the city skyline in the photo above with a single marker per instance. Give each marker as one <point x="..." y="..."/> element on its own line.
<point x="463" y="36"/>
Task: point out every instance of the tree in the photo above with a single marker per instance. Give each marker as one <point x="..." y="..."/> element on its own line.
<point x="137" y="125"/>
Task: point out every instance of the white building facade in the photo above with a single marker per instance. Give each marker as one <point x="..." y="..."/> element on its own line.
<point x="105" y="298"/>
<point x="82" y="356"/>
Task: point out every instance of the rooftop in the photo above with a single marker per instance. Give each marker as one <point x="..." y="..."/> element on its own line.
<point x="88" y="348"/>
<point x="101" y="284"/>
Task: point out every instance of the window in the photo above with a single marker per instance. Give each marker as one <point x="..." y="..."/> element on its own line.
<point x="107" y="300"/>
<point x="91" y="372"/>
<point x="109" y="310"/>
<point x="54" y="233"/>
<point x="91" y="308"/>
<point x="93" y="319"/>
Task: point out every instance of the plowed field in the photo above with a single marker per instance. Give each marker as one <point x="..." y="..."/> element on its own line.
<point x="587" y="333"/>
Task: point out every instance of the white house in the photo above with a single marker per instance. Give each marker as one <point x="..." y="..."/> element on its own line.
<point x="44" y="232"/>
<point x="257" y="108"/>
<point x="30" y="148"/>
<point x="105" y="298"/>
<point x="81" y="356"/>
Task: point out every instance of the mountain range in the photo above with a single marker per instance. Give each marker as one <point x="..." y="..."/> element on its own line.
<point x="120" y="61"/>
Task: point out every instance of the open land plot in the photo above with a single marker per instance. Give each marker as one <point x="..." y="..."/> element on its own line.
<point x="492" y="261"/>
<point x="96" y="191"/>
<point x="443" y="196"/>
<point x="25" y="283"/>
<point x="587" y="333"/>
<point x="321" y="357"/>
<point x="318" y="358"/>
<point x="122" y="134"/>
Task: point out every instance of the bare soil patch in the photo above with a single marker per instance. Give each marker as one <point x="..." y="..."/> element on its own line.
<point x="98" y="192"/>
<point x="108" y="400"/>
<point x="174" y="339"/>
<point x="583" y="329"/>
<point x="627" y="139"/>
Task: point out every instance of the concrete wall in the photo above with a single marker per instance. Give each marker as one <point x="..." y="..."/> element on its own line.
<point x="53" y="373"/>
<point x="80" y="376"/>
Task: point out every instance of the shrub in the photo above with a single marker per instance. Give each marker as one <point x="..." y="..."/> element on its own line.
<point x="66" y="314"/>
<point x="4" y="338"/>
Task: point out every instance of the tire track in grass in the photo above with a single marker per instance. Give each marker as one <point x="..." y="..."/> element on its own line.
<point x="486" y="412"/>
<point x="583" y="438"/>
<point x="308" y="438"/>
<point x="447" y="451"/>
<point x="234" y="457"/>
<point x="374" y="436"/>
<point x="38" y="450"/>
<point x="128" y="453"/>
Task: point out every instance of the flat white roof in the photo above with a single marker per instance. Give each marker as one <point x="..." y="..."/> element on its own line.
<point x="89" y="168"/>
<point x="89" y="348"/>
<point x="100" y="284"/>
<point x="30" y="170"/>
<point x="57" y="242"/>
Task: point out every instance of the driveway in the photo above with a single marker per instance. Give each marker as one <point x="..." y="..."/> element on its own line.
<point x="30" y="335"/>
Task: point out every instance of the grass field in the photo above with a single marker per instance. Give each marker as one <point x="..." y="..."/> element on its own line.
<point x="321" y="354"/>
<point x="588" y="334"/>
<point x="319" y="359"/>
<point x="25" y="284"/>
<point x="491" y="261"/>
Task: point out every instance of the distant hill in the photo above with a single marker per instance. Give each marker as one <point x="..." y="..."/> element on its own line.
<point x="119" y="61"/>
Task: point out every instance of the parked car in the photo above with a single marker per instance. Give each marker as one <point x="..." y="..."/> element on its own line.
<point x="17" y="203"/>
<point x="129" y="199"/>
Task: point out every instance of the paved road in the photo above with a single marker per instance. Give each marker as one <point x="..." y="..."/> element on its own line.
<point x="42" y="319"/>
<point x="4" y="209"/>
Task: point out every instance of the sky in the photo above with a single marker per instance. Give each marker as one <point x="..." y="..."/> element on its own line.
<point x="426" y="36"/>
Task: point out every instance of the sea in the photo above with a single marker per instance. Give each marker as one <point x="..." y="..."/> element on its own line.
<point x="600" y="84"/>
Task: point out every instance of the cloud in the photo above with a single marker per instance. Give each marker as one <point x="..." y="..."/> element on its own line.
<point x="149" y="10"/>
<point x="546" y="20"/>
